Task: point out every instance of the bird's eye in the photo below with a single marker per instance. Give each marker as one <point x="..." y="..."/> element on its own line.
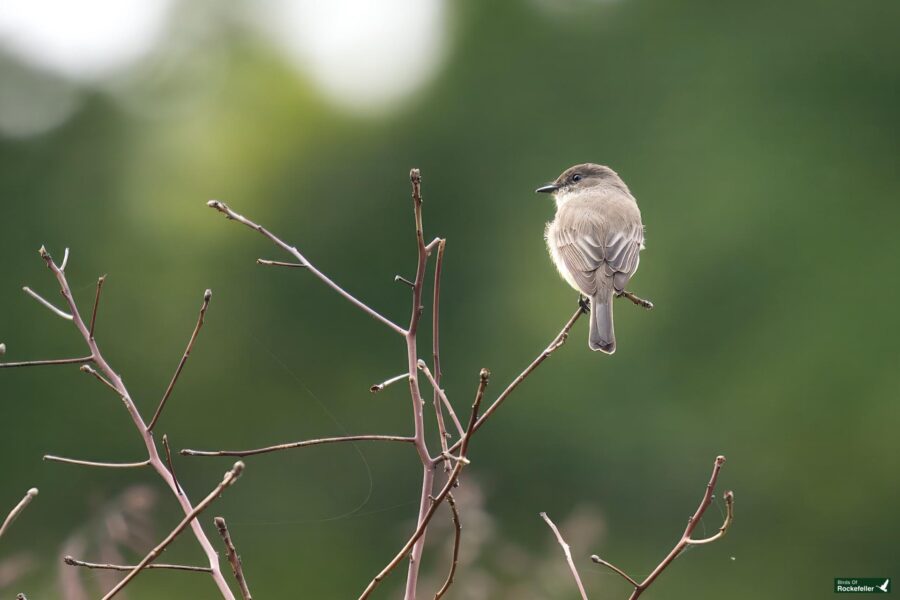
<point x="576" y="177"/>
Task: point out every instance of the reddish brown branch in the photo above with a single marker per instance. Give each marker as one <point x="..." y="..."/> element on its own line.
<point x="222" y="208"/>
<point x="554" y="345"/>
<point x="568" y="553"/>
<point x="230" y="477"/>
<point x="435" y="501"/>
<point x="72" y="562"/>
<point x="42" y="363"/>
<point x="87" y="369"/>
<point x="233" y="558"/>
<point x="303" y="444"/>
<point x="170" y="464"/>
<point x="457" y="529"/>
<point x="100" y="282"/>
<point x="187" y="353"/>
<point x="686" y="540"/>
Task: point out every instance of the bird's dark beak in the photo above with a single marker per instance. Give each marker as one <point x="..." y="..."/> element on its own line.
<point x="547" y="189"/>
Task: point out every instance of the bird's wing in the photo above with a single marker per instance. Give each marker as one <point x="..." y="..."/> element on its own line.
<point x="585" y="252"/>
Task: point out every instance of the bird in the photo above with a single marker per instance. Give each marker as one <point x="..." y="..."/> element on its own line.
<point x="595" y="241"/>
<point x="884" y="586"/>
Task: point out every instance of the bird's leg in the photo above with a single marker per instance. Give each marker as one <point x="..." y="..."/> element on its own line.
<point x="636" y="299"/>
<point x="584" y="303"/>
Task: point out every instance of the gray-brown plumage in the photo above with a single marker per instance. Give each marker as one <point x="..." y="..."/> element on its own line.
<point x="595" y="241"/>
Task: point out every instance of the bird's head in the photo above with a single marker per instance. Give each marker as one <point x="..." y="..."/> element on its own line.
<point x="582" y="178"/>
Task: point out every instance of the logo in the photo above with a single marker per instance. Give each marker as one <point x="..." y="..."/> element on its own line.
<point x="862" y="585"/>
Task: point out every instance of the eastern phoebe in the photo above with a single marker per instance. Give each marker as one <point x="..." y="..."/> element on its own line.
<point x="595" y="241"/>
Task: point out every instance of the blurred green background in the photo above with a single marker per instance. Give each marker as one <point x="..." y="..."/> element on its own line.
<point x="761" y="141"/>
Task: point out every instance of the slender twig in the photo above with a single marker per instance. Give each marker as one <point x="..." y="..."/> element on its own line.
<point x="87" y="369"/>
<point x="636" y="299"/>
<point x="303" y="444"/>
<point x="686" y="540"/>
<point x="403" y="280"/>
<point x="153" y="454"/>
<point x="457" y="528"/>
<point x="557" y="342"/>
<point x="729" y="517"/>
<point x="568" y="552"/>
<point x="380" y="386"/>
<point x="438" y="413"/>
<point x="222" y="208"/>
<point x="17" y="510"/>
<point x="65" y="260"/>
<point x="90" y="463"/>
<point x="169" y="463"/>
<point x="230" y="477"/>
<point x="187" y="353"/>
<point x="278" y="263"/>
<point x="42" y="363"/>
<point x="46" y="303"/>
<point x="100" y="281"/>
<point x="233" y="558"/>
<point x="72" y="562"/>
<point x="435" y="501"/>
<point x="616" y="569"/>
<point x="442" y="395"/>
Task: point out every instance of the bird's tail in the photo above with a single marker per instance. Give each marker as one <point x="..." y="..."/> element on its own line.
<point x="602" y="336"/>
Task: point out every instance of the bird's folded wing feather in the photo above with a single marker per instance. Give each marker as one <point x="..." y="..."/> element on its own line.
<point x="584" y="253"/>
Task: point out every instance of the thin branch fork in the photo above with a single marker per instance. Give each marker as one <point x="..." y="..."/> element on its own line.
<point x="230" y="214"/>
<point x="17" y="509"/>
<point x="686" y="539"/>
<point x="153" y="454"/>
<point x="72" y="562"/>
<point x="233" y="558"/>
<point x="207" y="296"/>
<point x="435" y="501"/>
<point x="303" y="444"/>
<point x="568" y="553"/>
<point x="442" y="396"/>
<point x="230" y="477"/>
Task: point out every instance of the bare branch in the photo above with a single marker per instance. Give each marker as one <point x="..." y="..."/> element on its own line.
<point x="616" y="569"/>
<point x="454" y="514"/>
<point x="230" y="477"/>
<point x="303" y="444"/>
<point x="403" y="280"/>
<point x="636" y="299"/>
<point x="17" y="510"/>
<point x="165" y="441"/>
<point x="438" y="413"/>
<point x="46" y="303"/>
<point x="693" y="521"/>
<point x="557" y="342"/>
<point x="436" y="500"/>
<point x="380" y="386"/>
<point x="90" y="463"/>
<point x="65" y="260"/>
<point x="187" y="353"/>
<point x="568" y="552"/>
<point x="729" y="517"/>
<point x="153" y="454"/>
<point x="42" y="363"/>
<point x="278" y="263"/>
<point x="72" y="562"/>
<point x="222" y="208"/>
<point x="100" y="281"/>
<point x="87" y="369"/>
<point x="233" y="558"/>
<point x="442" y="395"/>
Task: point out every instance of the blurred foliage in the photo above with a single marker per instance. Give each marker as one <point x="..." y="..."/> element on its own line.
<point x="761" y="142"/>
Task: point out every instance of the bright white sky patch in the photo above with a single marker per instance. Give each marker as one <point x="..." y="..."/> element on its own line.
<point x="363" y="54"/>
<point x="81" y="39"/>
